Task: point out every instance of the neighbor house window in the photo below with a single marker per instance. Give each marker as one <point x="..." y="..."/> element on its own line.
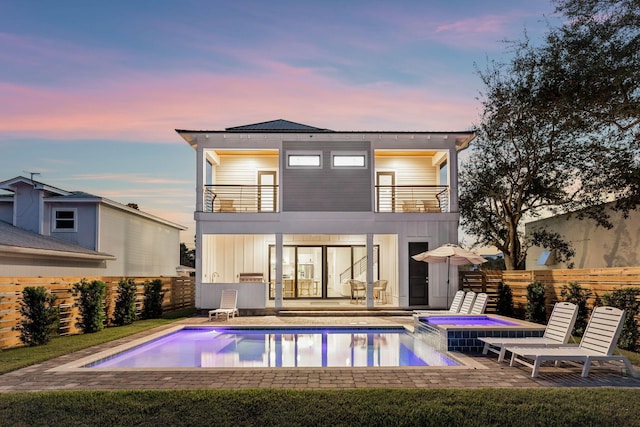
<point x="304" y="159"/>
<point x="65" y="219"/>
<point x="349" y="160"/>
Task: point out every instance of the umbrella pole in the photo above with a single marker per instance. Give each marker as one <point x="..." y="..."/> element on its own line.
<point x="448" y="278"/>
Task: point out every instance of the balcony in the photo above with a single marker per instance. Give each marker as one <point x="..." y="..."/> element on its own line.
<point x="412" y="198"/>
<point x="241" y="198"/>
<point x="264" y="198"/>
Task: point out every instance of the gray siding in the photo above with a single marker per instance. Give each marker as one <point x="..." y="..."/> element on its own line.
<point x="326" y="189"/>
<point x="6" y="212"/>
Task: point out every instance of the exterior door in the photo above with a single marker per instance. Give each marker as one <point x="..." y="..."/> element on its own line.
<point x="386" y="191"/>
<point x="418" y="275"/>
<point x="267" y="191"/>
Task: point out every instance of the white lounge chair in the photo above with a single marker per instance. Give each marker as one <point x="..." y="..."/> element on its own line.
<point x="467" y="303"/>
<point x="557" y="333"/>
<point x="228" y="305"/>
<point x="480" y="304"/>
<point x="453" y="309"/>
<point x="597" y="344"/>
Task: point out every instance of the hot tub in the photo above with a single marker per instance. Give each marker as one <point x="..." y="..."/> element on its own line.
<point x="468" y="321"/>
<point x="460" y="333"/>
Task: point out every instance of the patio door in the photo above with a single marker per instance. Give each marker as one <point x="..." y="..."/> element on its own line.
<point x="267" y="191"/>
<point x="418" y="275"/>
<point x="386" y="191"/>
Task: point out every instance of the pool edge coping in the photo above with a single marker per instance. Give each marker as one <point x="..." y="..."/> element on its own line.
<point x="79" y="365"/>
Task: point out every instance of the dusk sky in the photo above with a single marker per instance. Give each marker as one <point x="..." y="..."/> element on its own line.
<point x="91" y="91"/>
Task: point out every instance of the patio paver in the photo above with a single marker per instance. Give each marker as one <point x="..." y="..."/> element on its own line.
<point x="489" y="373"/>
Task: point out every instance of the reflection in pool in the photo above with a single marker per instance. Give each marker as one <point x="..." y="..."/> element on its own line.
<point x="298" y="347"/>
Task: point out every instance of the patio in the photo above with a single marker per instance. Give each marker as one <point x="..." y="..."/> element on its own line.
<point x="486" y="372"/>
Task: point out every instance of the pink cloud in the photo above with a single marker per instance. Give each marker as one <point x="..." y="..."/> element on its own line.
<point x="147" y="107"/>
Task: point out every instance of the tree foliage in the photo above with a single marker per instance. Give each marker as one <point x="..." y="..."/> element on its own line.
<point x="124" y="312"/>
<point x="40" y="316"/>
<point x="153" y="298"/>
<point x="560" y="130"/>
<point x="536" y="308"/>
<point x="91" y="302"/>
<point x="626" y="299"/>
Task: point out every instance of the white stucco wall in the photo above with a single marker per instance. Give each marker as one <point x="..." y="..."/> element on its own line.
<point x="596" y="247"/>
<point x="143" y="247"/>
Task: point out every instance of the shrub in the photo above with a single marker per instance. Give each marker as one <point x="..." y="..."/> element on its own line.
<point x="626" y="299"/>
<point x="504" y="305"/>
<point x="91" y="304"/>
<point x="124" y="312"/>
<point x="576" y="294"/>
<point x="153" y="297"/>
<point x="536" y="310"/>
<point x="40" y="316"/>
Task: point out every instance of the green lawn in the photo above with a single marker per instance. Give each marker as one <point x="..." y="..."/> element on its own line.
<point x="372" y="407"/>
<point x="266" y="407"/>
<point x="16" y="358"/>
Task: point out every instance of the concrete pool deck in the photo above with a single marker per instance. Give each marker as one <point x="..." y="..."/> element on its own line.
<point x="485" y="373"/>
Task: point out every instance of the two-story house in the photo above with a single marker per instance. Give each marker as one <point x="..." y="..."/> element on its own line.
<point x="47" y="231"/>
<point x="306" y="209"/>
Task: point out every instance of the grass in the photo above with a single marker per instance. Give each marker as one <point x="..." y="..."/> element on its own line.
<point x="371" y="407"/>
<point x="20" y="357"/>
<point x="271" y="407"/>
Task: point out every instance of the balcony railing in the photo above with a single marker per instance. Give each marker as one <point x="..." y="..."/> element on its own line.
<point x="241" y="198"/>
<point x="412" y="198"/>
<point x="264" y="198"/>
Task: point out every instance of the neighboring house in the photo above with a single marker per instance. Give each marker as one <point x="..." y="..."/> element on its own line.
<point x="301" y="210"/>
<point x="46" y="231"/>
<point x="596" y="247"/>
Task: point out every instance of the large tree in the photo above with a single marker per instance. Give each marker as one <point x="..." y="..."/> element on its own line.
<point x="560" y="129"/>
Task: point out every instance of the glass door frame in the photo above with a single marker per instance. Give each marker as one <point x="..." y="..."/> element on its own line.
<point x="323" y="294"/>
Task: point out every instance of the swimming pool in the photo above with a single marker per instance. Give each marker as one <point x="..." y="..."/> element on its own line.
<point x="233" y="347"/>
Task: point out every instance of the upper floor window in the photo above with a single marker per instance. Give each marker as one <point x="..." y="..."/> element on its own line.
<point x="65" y="219"/>
<point x="304" y="159"/>
<point x="349" y="160"/>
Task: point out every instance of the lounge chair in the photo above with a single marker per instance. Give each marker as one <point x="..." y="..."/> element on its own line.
<point x="557" y="333"/>
<point x="228" y="305"/>
<point x="453" y="309"/>
<point x="467" y="303"/>
<point x="480" y="303"/>
<point x="597" y="344"/>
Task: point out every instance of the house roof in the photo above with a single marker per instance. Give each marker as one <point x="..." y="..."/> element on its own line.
<point x="15" y="241"/>
<point x="58" y="195"/>
<point x="278" y="125"/>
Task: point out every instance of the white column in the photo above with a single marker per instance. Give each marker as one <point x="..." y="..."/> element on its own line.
<point x="278" y="278"/>
<point x="370" y="299"/>
<point x="452" y="161"/>
<point x="200" y="163"/>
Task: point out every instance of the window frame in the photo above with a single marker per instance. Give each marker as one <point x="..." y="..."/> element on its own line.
<point x="361" y="154"/>
<point x="303" y="153"/>
<point x="54" y="220"/>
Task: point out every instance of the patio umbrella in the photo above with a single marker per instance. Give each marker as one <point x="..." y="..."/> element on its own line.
<point x="451" y="254"/>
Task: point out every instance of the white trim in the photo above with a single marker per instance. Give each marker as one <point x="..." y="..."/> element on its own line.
<point x="54" y="222"/>
<point x="303" y="153"/>
<point x="352" y="154"/>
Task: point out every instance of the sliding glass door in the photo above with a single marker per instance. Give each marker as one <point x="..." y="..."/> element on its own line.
<point x="320" y="271"/>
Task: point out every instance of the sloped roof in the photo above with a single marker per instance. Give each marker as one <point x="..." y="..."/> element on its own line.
<point x="18" y="241"/>
<point x="279" y="125"/>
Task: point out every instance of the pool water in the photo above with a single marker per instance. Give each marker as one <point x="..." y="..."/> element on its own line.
<point x="278" y="347"/>
<point x="467" y="321"/>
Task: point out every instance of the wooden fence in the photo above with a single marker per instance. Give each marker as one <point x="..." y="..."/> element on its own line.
<point x="179" y="292"/>
<point x="598" y="280"/>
